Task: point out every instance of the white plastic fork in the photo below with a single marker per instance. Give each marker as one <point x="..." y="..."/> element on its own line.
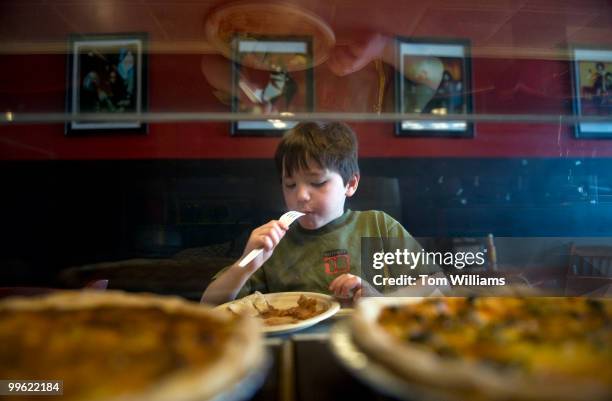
<point x="286" y="218"/>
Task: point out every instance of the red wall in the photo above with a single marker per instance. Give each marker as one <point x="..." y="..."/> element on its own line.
<point x="36" y="83"/>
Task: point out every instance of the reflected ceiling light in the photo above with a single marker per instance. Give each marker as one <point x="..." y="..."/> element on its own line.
<point x="251" y="19"/>
<point x="412" y="125"/>
<point x="9" y="116"/>
<point x="440" y="111"/>
<point x="278" y="123"/>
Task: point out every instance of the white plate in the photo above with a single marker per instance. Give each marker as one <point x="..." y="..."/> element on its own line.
<point x="284" y="300"/>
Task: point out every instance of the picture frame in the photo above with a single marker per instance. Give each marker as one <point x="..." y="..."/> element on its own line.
<point x="107" y="74"/>
<point x="271" y="76"/>
<point x="592" y="90"/>
<point x="433" y="77"/>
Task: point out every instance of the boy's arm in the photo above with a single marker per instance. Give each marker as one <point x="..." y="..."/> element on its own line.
<point x="226" y="287"/>
<point x="348" y="286"/>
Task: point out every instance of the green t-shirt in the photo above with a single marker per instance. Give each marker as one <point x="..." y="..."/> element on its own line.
<point x="309" y="260"/>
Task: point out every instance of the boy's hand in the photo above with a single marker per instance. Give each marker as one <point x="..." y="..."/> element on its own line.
<point x="351" y="286"/>
<point x="267" y="237"/>
<point x="345" y="285"/>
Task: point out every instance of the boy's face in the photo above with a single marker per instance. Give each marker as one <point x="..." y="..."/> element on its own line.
<point x="318" y="192"/>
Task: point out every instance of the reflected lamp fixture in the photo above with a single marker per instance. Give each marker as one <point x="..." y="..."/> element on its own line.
<point x="252" y="19"/>
<point x="272" y="48"/>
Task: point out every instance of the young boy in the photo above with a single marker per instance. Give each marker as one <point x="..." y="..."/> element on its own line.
<point x="321" y="251"/>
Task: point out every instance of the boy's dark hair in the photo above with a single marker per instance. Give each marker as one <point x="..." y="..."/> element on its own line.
<point x="332" y="145"/>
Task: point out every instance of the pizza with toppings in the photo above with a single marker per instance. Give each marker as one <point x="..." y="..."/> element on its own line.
<point x="524" y="348"/>
<point x="117" y="347"/>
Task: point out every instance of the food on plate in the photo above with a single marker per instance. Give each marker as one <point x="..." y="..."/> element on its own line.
<point x="257" y="305"/>
<point x="534" y="348"/>
<point x="251" y="305"/>
<point x="305" y="309"/>
<point x="114" y="346"/>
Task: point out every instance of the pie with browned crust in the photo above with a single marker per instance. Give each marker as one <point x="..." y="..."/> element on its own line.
<point x="117" y="347"/>
<point x="511" y="348"/>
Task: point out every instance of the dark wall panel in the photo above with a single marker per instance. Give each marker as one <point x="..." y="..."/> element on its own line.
<point x="68" y="213"/>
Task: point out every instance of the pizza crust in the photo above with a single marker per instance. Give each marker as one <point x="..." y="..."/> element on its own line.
<point x="465" y="379"/>
<point x="243" y="349"/>
<point x="409" y="362"/>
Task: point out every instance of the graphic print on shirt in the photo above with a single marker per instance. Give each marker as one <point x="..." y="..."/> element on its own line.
<point x="337" y="261"/>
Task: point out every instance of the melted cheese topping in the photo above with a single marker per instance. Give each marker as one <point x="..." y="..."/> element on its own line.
<point x="550" y="337"/>
<point x="106" y="351"/>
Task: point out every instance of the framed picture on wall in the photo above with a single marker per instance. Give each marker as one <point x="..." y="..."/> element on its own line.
<point x="433" y="78"/>
<point x="107" y="76"/>
<point x="592" y="90"/>
<point x="271" y="76"/>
